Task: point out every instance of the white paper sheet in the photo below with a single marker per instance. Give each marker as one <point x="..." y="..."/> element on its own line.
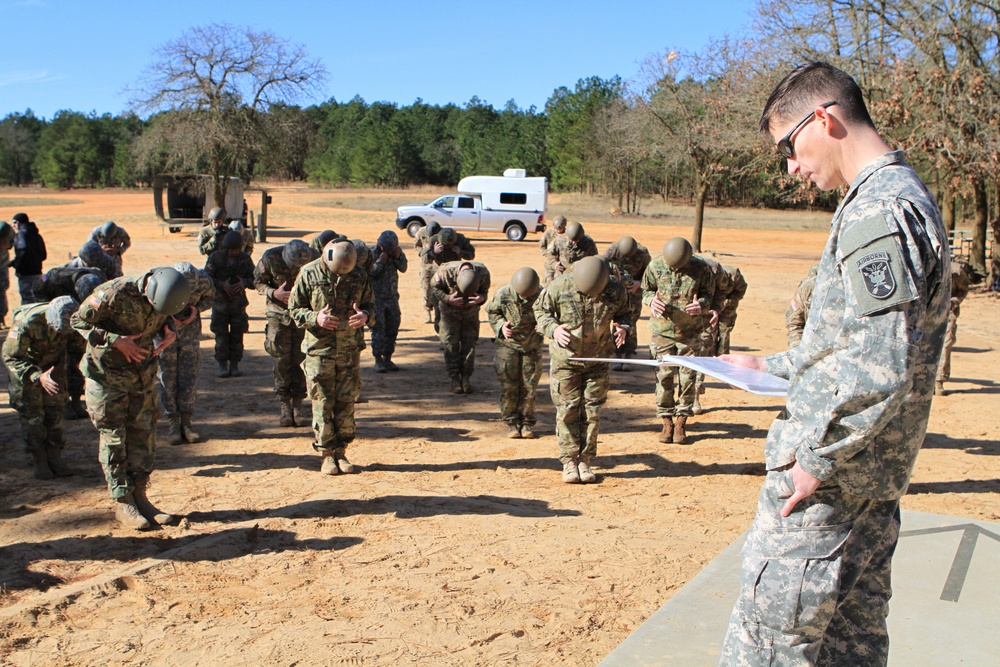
<point x="763" y="384"/>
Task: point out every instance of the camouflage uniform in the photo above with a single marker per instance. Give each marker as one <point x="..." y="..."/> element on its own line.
<point x="798" y="309"/>
<point x="816" y="584"/>
<point x="630" y="271"/>
<point x="518" y="359"/>
<point x="545" y="247"/>
<point x="4" y="283"/>
<point x="247" y="236"/>
<point x="229" y="313"/>
<point x="385" y="285"/>
<point x="121" y="397"/>
<point x="210" y="239"/>
<point x="459" y="324"/>
<point x="332" y="356"/>
<point x="565" y="253"/>
<point x="282" y="339"/>
<point x="120" y="238"/>
<point x="676" y="332"/>
<point x="107" y="266"/>
<point x="31" y="348"/>
<point x="580" y="388"/>
<point x="959" y="290"/>
<point x="461" y="249"/>
<point x="727" y="316"/>
<point x="709" y="338"/>
<point x="180" y="363"/>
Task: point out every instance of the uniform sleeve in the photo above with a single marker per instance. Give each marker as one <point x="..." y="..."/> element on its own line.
<point x="206" y="294"/>
<point x="439" y="284"/>
<point x="126" y="241"/>
<point x="366" y="301"/>
<point x="299" y="303"/>
<point x="648" y="287"/>
<point x="88" y="317"/>
<point x="206" y="241"/>
<point x="263" y="279"/>
<point x="17" y="357"/>
<point x="466" y="249"/>
<point x="545" y="313"/>
<point x="401" y="262"/>
<point x="494" y="312"/>
<point x="246" y="270"/>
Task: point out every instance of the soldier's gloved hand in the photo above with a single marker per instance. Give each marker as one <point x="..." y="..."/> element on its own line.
<point x="621" y="333"/>
<point x="128" y="348"/>
<point x="167" y="337"/>
<point x="507" y="330"/>
<point x="713" y="318"/>
<point x="562" y="336"/>
<point x="693" y="308"/>
<point x="282" y="293"/>
<point x="358" y="319"/>
<point x="326" y="320"/>
<point x="657" y="306"/>
<point x="50" y="386"/>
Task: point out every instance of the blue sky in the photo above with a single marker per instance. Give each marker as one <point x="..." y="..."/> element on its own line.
<point x="81" y="54"/>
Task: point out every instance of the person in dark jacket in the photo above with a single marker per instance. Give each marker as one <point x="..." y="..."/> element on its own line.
<point x="29" y="253"/>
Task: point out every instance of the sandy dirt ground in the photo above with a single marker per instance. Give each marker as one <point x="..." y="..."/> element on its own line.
<point x="454" y="545"/>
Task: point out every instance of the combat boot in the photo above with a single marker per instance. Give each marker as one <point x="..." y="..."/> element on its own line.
<point x="456" y="386"/>
<point x="40" y="461"/>
<point x="301" y="418"/>
<point x="379" y="364"/>
<point x="146" y="508"/>
<point x="329" y="466"/>
<point x="680" y="435"/>
<point x="389" y="364"/>
<point x="587" y="475"/>
<point x="234" y="369"/>
<point x="667" y="434"/>
<point x="527" y="432"/>
<point x="570" y="474"/>
<point x="56" y="465"/>
<point x="223" y="369"/>
<point x="513" y="432"/>
<point x="286" y="418"/>
<point x="467" y="386"/>
<point x="345" y="466"/>
<point x="190" y="435"/>
<point x="174" y="436"/>
<point x="128" y="514"/>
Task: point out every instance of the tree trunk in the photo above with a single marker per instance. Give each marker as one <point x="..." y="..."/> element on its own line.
<point x="977" y="258"/>
<point x="948" y="208"/>
<point x="995" y="257"/>
<point x="699" y="214"/>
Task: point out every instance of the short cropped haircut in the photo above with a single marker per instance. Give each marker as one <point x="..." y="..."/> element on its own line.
<point x="810" y="85"/>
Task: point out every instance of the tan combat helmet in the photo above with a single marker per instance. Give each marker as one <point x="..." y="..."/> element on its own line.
<point x="560" y="222"/>
<point x="467" y="280"/>
<point x="340" y="257"/>
<point x="677" y="252"/>
<point x="525" y="282"/>
<point x="627" y="246"/>
<point x="574" y="231"/>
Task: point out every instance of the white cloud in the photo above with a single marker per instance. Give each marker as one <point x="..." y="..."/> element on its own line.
<point x="26" y="76"/>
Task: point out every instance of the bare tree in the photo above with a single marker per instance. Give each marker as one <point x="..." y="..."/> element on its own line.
<point x="211" y="90"/>
<point x="623" y="149"/>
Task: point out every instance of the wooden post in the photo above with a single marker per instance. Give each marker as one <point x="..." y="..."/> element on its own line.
<point x="262" y="217"/>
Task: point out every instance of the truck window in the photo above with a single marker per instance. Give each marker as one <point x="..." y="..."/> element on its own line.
<point x="466" y="202"/>
<point x="513" y="198"/>
<point x="445" y="202"/>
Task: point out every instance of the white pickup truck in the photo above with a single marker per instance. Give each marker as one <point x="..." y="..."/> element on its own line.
<point x="512" y="204"/>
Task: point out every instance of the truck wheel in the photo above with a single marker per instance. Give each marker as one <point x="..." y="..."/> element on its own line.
<point x="413" y="226"/>
<point x="515" y="231"/>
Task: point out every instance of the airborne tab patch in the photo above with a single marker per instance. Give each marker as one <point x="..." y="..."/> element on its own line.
<point x="876" y="270"/>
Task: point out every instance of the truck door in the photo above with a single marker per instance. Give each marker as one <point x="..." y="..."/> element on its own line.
<point x="466" y="214"/>
<point x="441" y="209"/>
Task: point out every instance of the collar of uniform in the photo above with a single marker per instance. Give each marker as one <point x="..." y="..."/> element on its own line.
<point x="885" y="160"/>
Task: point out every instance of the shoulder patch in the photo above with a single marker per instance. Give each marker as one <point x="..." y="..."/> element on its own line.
<point x="94" y="300"/>
<point x="876" y="271"/>
<point x="13" y="334"/>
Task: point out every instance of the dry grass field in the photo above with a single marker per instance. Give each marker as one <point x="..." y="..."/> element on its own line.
<point x="454" y="545"/>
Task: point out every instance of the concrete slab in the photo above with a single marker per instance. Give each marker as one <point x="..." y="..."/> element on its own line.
<point x="946" y="599"/>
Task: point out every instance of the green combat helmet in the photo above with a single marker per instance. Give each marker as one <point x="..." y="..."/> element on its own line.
<point x="109" y="229"/>
<point x="168" y="290"/>
<point x="340" y="257"/>
<point x="467" y="281"/>
<point x="59" y="311"/>
<point x="297" y="254"/>
<point x="217" y="213"/>
<point x="559" y="222"/>
<point x="677" y="252"/>
<point x="574" y="231"/>
<point x="233" y="240"/>
<point x="591" y="275"/>
<point x="525" y="282"/>
<point x="447" y="236"/>
<point x="433" y="227"/>
<point x="319" y="241"/>
<point x="627" y="246"/>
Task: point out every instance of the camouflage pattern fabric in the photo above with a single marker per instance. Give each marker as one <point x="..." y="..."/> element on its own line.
<point x="462" y="248"/>
<point x="4" y="283"/>
<point x="31" y="348"/>
<point x="61" y="281"/>
<point x="120" y="394"/>
<point x="545" y="246"/>
<point x="518" y="360"/>
<point x="210" y="239"/>
<point x="667" y="404"/>
<point x="860" y="388"/>
<point x="959" y="290"/>
<point x="727" y="316"/>
<point x="282" y="338"/>
<point x="459" y="324"/>
<point x="107" y="266"/>
<point x="229" y="312"/>
<point x="427" y="268"/>
<point x="385" y="285"/>
<point x="120" y="238"/>
<point x="798" y="308"/>
<point x="566" y="253"/>
<point x="180" y="364"/>
<point x="580" y="388"/>
<point x="630" y="271"/>
<point x="332" y="356"/>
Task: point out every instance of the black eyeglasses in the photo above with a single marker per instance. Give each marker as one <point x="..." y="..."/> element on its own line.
<point x="785" y="145"/>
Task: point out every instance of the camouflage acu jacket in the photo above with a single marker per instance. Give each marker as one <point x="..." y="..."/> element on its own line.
<point x="722" y="283"/>
<point x="678" y="288"/>
<point x="461" y="249"/>
<point x="119" y="308"/>
<point x="119" y="238"/>
<point x="210" y="239"/>
<point x="568" y="253"/>
<point x="629" y="270"/>
<point x="270" y="274"/>
<point x="509" y="306"/>
<point x="385" y="275"/>
<point x="445" y="282"/>
<point x="32" y="346"/>
<point x="587" y="319"/>
<point x="224" y="271"/>
<point x="318" y="287"/>
<point x="861" y="380"/>
<point x="61" y="281"/>
<point x="202" y="295"/>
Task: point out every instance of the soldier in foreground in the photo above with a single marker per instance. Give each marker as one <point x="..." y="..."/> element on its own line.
<point x="390" y="261"/>
<point x="231" y="271"/>
<point x="585" y="313"/>
<point x="180" y="363"/>
<point x="678" y="287"/>
<point x="460" y="289"/>
<point x="444" y="247"/>
<point x="330" y="300"/>
<point x="211" y="236"/>
<point x="861" y="382"/>
<point x="273" y="278"/>
<point x="114" y="241"/>
<point x="518" y="360"/>
<point x="120" y="321"/>
<point x="628" y="260"/>
<point x="35" y="355"/>
<point x="545" y="246"/>
<point x="427" y="267"/>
